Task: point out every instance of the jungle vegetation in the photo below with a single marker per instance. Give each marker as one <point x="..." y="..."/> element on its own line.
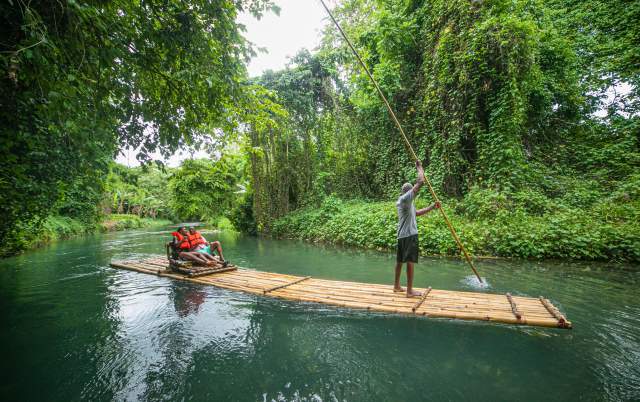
<point x="525" y="114"/>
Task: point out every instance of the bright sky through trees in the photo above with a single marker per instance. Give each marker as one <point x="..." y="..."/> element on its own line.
<point x="298" y="26"/>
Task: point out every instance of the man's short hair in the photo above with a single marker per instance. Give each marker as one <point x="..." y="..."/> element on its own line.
<point x="406" y="187"/>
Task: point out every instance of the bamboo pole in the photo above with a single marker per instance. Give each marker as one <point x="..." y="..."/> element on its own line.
<point x="406" y="141"/>
<point x="514" y="308"/>
<point x="422" y="299"/>
<point x="562" y="321"/>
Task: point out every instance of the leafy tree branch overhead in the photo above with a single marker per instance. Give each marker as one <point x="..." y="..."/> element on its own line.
<point x="82" y="79"/>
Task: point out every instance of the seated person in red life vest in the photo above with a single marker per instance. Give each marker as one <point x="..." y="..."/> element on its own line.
<point x="199" y="244"/>
<point x="181" y="248"/>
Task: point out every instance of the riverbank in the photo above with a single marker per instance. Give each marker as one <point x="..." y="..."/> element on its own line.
<point x="115" y="222"/>
<point x="605" y="232"/>
<point x="57" y="228"/>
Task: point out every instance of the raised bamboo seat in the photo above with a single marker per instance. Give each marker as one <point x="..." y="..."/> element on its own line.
<point x="506" y="309"/>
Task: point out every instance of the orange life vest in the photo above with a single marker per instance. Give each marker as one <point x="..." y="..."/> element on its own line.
<point x="183" y="241"/>
<point x="196" y="239"/>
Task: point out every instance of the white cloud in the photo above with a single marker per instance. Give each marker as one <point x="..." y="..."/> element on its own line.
<point x="298" y="26"/>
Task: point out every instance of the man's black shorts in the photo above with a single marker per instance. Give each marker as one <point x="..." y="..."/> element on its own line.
<point x="407" y="249"/>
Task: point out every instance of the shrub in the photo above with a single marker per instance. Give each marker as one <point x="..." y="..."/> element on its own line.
<point x="489" y="223"/>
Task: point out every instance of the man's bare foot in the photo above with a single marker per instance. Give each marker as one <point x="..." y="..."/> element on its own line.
<point x="398" y="289"/>
<point x="413" y="293"/>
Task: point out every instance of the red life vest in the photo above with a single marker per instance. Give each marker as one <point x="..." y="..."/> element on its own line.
<point x="196" y="239"/>
<point x="183" y="241"/>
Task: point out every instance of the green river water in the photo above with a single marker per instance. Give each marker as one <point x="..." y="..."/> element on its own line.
<point x="75" y="329"/>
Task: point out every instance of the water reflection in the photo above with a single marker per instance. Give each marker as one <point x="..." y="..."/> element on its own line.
<point x="188" y="301"/>
<point x="75" y="326"/>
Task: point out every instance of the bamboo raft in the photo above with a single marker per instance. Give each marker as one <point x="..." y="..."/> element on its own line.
<point x="506" y="309"/>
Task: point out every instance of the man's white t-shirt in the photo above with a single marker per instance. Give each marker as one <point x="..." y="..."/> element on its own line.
<point x="407" y="225"/>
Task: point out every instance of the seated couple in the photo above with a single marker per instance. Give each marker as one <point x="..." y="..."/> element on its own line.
<point x="191" y="246"/>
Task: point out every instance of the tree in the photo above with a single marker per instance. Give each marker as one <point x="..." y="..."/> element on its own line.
<point x="479" y="85"/>
<point x="82" y="78"/>
<point x="140" y="190"/>
<point x="204" y="190"/>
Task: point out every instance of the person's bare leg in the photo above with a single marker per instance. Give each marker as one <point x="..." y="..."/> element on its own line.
<point x="396" y="284"/>
<point x="410" y="291"/>
<point x="193" y="256"/>
<point x="218" y="248"/>
<point x="211" y="259"/>
<point x="185" y="256"/>
<point x="207" y="256"/>
<point x="208" y="259"/>
<point x="198" y="257"/>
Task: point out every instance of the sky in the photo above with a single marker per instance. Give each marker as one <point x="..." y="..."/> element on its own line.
<point x="298" y="26"/>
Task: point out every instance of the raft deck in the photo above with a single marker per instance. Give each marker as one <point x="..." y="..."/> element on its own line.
<point x="506" y="309"/>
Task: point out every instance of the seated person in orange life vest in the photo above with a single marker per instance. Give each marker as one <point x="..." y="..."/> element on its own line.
<point x="181" y="248"/>
<point x="199" y="244"/>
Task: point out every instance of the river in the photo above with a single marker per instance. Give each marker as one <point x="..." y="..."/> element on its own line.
<point x="75" y="329"/>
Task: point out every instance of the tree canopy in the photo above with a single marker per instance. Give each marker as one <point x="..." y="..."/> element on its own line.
<point x="83" y="79"/>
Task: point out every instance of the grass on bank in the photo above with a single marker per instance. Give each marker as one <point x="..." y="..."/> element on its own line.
<point x="63" y="227"/>
<point x="116" y="222"/>
<point x="488" y="224"/>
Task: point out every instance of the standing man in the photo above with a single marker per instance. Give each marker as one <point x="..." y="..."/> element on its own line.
<point x="408" y="231"/>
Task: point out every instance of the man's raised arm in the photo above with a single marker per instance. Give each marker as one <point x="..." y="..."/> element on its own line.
<point x="430" y="208"/>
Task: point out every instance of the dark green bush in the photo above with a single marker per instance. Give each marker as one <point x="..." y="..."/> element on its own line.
<point x="241" y="215"/>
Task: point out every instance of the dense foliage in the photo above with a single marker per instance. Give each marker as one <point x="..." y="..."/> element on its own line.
<point x="205" y="190"/>
<point x="80" y="79"/>
<point x="507" y="104"/>
<point x="525" y="114"/>
<point x="302" y="139"/>
<point x="140" y="190"/>
<point x="198" y="190"/>
<point x="57" y="227"/>
<point x="488" y="223"/>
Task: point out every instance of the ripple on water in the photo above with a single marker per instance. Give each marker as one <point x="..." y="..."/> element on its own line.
<point x="617" y="346"/>
<point x="472" y="282"/>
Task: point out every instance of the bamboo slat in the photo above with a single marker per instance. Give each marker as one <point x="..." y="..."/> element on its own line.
<point x="422" y="299"/>
<point x="286" y="284"/>
<point x="368" y="296"/>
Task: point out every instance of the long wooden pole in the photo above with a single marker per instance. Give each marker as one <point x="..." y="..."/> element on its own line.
<point x="406" y="141"/>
